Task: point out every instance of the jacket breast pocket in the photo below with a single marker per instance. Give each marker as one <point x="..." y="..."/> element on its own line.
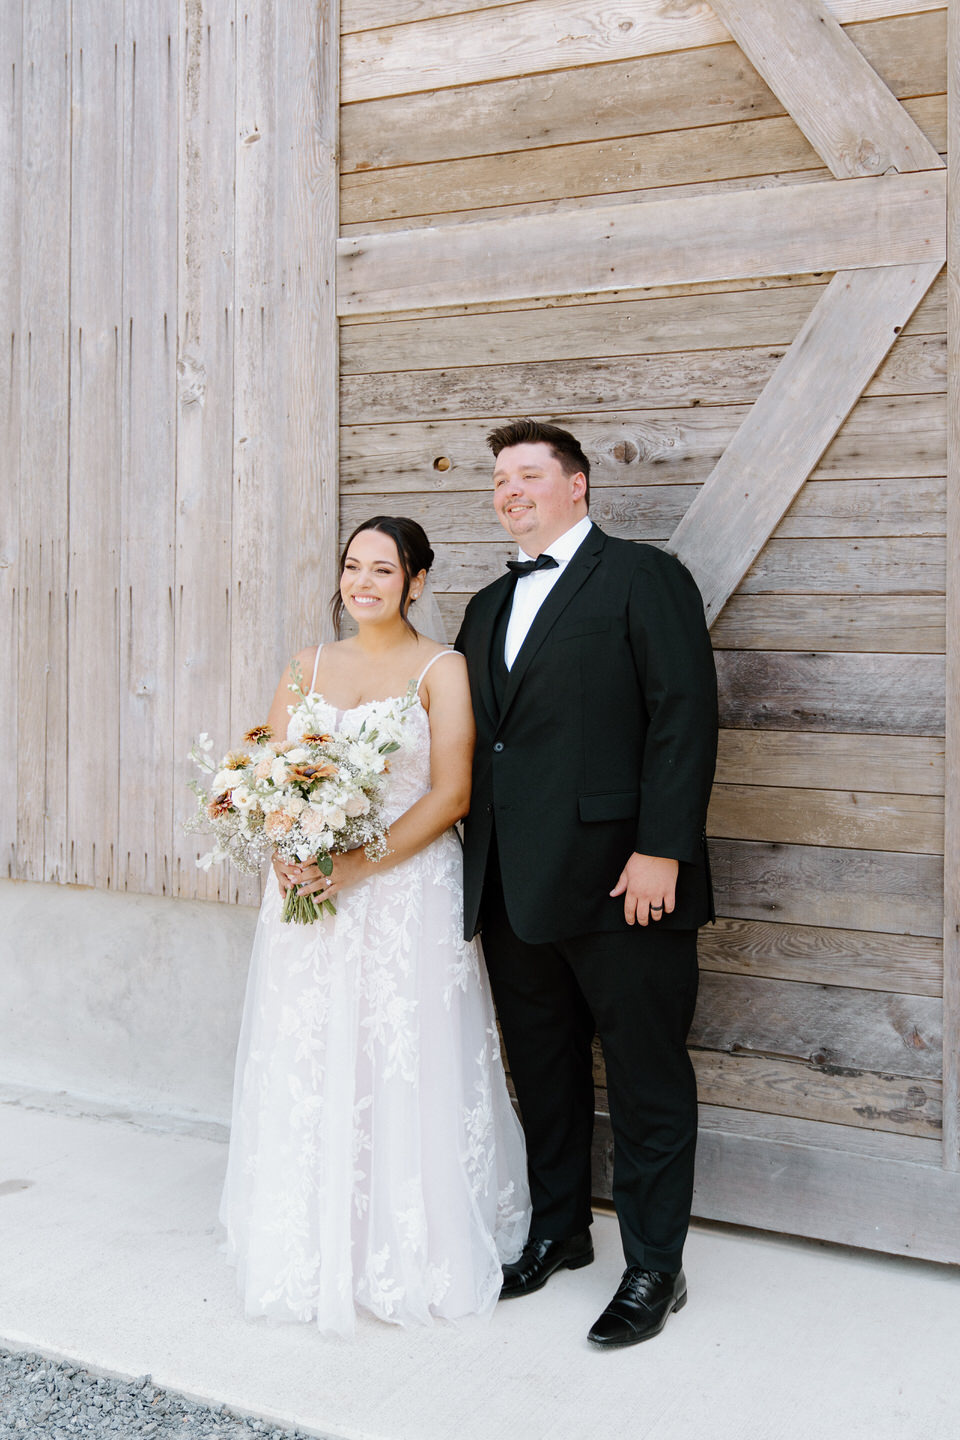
<point x="619" y="805"/>
<point x="585" y="625"/>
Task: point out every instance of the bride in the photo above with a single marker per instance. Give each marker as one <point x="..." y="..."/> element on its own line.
<point x="375" y="1160"/>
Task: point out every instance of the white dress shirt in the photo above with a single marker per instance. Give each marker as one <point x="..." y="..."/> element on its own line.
<point x="531" y="590"/>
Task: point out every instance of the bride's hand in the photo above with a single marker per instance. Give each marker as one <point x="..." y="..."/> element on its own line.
<point x="287" y="873"/>
<point x="347" y="870"/>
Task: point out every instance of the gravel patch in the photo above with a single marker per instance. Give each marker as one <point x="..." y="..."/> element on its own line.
<point x="46" y="1400"/>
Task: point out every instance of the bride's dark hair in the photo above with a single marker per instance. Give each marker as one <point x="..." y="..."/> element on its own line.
<point x="414" y="550"/>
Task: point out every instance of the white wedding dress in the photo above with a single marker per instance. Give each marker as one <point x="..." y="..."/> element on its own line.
<point x="375" y="1159"/>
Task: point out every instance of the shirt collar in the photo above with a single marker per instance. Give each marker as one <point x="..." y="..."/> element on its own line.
<point x="567" y="544"/>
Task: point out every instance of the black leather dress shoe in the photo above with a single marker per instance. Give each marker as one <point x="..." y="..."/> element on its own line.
<point x="540" y="1258"/>
<point x="640" y="1309"/>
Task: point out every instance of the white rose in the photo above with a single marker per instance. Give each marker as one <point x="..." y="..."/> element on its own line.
<point x="334" y="817"/>
<point x="295" y="756"/>
<point x="278" y="770"/>
<point x="295" y="805"/>
<point x="225" y="780"/>
<point x="356" y="805"/>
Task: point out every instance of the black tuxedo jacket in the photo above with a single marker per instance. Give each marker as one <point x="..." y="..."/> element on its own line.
<point x="605" y="742"/>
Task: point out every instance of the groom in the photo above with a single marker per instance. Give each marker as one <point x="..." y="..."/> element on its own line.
<point x="585" y="863"/>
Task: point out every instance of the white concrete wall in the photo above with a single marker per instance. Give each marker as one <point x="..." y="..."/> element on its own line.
<point x="133" y="1000"/>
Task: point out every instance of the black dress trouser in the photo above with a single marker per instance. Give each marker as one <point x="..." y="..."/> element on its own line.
<point x="637" y="989"/>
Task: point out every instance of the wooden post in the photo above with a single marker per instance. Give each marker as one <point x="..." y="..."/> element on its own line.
<point x="951" y="898"/>
<point x="11" y="167"/>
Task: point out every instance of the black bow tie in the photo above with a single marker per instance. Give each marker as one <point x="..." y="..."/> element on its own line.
<point x="527" y="567"/>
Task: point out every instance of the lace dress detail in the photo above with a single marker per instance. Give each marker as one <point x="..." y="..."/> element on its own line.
<point x="375" y="1159"/>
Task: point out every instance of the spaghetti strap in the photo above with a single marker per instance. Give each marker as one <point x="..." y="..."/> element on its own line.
<point x="439" y="656"/>
<point x="316" y="665"/>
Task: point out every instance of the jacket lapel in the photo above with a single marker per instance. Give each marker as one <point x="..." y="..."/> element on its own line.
<point x="498" y="595"/>
<point x="584" y="561"/>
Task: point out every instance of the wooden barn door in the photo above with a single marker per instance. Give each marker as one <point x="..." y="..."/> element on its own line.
<point x="826" y="1038"/>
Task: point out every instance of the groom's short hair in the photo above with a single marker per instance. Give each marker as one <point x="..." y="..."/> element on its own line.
<point x="565" y="447"/>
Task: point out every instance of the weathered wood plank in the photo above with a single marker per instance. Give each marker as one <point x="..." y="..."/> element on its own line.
<point x="149" y="408"/>
<point x="951" y="959"/>
<point x="625" y="166"/>
<point x="901" y="1208"/>
<point x="818" y="885"/>
<point x="822" y="1025"/>
<point x="903" y="964"/>
<point x="883" y="438"/>
<point x="675" y="91"/>
<point x="44" y="355"/>
<point x="11" y="164"/>
<point x="887" y="222"/>
<point x="453" y="49"/>
<point x="869" y="694"/>
<point x="368" y="14"/>
<point x="790" y="1087"/>
<point x="829" y="88"/>
<point x="903" y="764"/>
<point x="308" y="121"/>
<point x="867" y="820"/>
<point x="900" y="624"/>
<point x="705" y="376"/>
<point x="813" y="390"/>
<point x="820" y="1134"/>
<point x="911" y="566"/>
<point x="204" y="407"/>
<point x="96" y="228"/>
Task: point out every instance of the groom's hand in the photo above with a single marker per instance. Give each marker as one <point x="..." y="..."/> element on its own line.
<point x="648" y="884"/>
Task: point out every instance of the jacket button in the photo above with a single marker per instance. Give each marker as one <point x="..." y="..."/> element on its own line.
<point x="498" y="746"/>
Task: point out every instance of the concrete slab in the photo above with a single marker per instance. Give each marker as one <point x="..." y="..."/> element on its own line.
<point x="110" y="1257"/>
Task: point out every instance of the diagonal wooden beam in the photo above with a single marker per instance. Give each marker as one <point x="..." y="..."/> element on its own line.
<point x="887" y="220"/>
<point x="835" y="96"/>
<point x="805" y="402"/>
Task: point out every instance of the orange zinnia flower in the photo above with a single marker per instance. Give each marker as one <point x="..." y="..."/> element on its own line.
<point x="220" y="805"/>
<point x="258" y="733"/>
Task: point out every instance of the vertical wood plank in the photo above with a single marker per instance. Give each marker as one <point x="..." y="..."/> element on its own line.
<point x="951" y="919"/>
<point x="11" y="100"/>
<point x="802" y="407"/>
<point x="308" y="120"/>
<point x="44" y="449"/>
<point x="96" y="245"/>
<point x="147" y="769"/>
<point x="204" y="407"/>
<point x="832" y="92"/>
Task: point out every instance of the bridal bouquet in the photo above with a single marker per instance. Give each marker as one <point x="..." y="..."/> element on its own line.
<point x="306" y="799"/>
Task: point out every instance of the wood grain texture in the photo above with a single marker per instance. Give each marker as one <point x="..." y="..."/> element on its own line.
<point x="886" y="222"/>
<point x="819" y="955"/>
<point x="951" y="930"/>
<point x="11" y="163"/>
<point x="903" y="764"/>
<point x="96" y="329"/>
<point x="868" y="820"/>
<point x="812" y="391"/>
<point x="828" y="1026"/>
<point x="883" y="1204"/>
<point x="818" y="885"/>
<point x="867" y="694"/>
<point x="821" y="1134"/>
<point x="899" y="624"/>
<point x="205" y="289"/>
<point x="679" y="90"/>
<point x="148" y="473"/>
<point x="44" y="377"/>
<point x="829" y="88"/>
<point x="454" y="49"/>
<point x="882" y="439"/>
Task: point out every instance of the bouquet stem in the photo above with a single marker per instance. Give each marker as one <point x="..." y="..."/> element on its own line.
<point x="302" y="909"/>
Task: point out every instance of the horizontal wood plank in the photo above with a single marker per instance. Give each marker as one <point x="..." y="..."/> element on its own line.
<point x="883" y="438"/>
<point x="904" y="764"/>
<point x="902" y="624"/>
<point x="892" y="220"/>
<point x="868" y="820"/>
<point x="820" y="1134"/>
<point x="901" y="1208"/>
<point x="819" y="955"/>
<point x="823" y="1025"/>
<point x="430" y="51"/>
<point x="819" y="885"/>
<point x="673" y="91"/>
